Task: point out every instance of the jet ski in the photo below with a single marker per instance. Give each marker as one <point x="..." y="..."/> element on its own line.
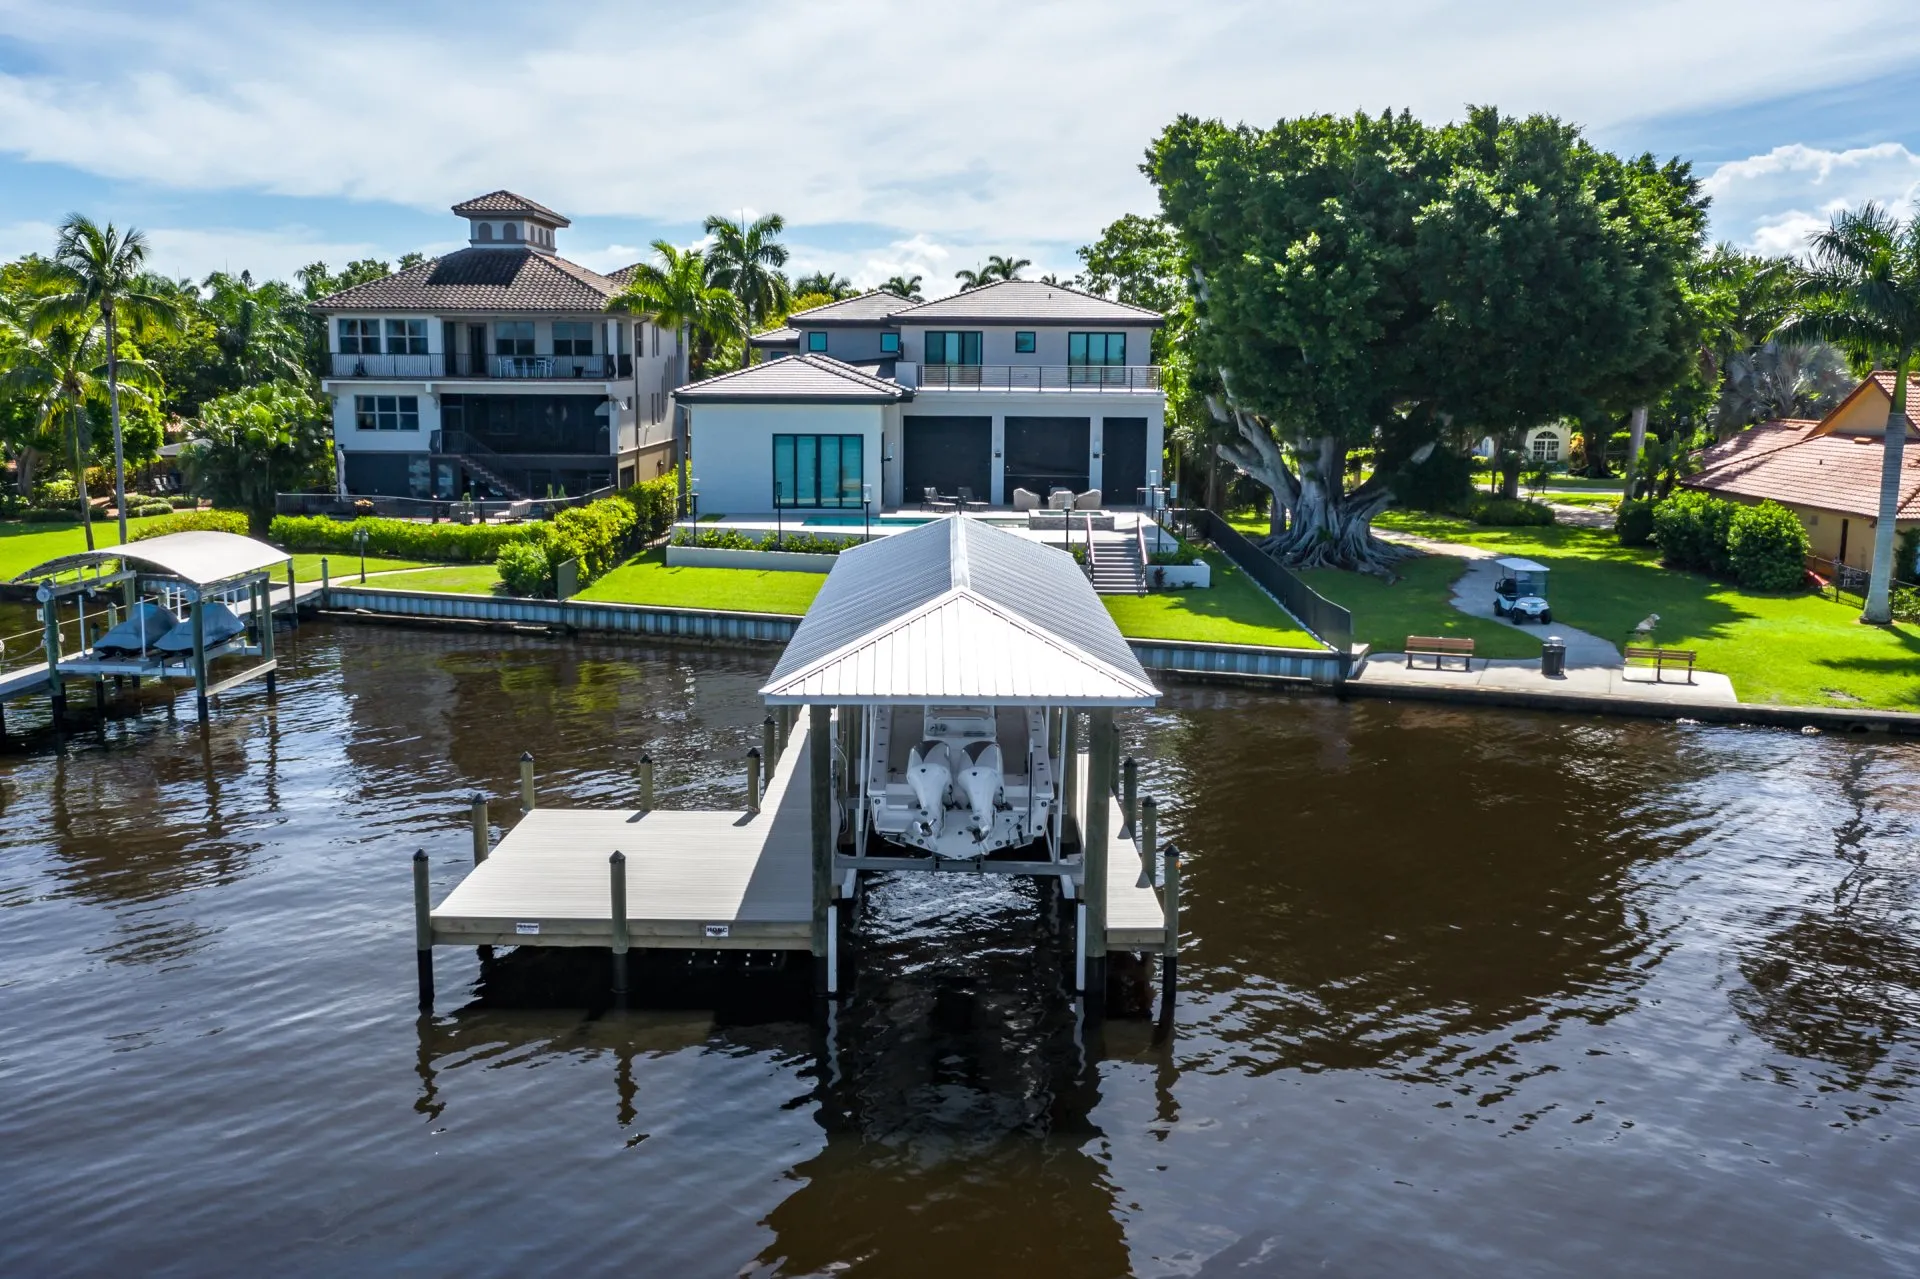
<point x="218" y="625"/>
<point x="144" y="628"/>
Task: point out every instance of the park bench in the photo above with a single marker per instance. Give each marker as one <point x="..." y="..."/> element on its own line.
<point x="1439" y="648"/>
<point x="1663" y="658"/>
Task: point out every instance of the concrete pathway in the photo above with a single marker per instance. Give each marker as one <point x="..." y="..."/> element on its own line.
<point x="1637" y="684"/>
<point x="1473" y="595"/>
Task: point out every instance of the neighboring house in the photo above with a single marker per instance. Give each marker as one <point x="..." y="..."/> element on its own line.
<point x="496" y="370"/>
<point x="1015" y="385"/>
<point x="1827" y="472"/>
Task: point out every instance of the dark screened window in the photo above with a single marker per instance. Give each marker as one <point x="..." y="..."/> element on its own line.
<point x="816" y="341"/>
<point x="513" y="337"/>
<point x="406" y="337"/>
<point x="386" y="412"/>
<point x="817" y="470"/>
<point x="360" y="337"/>
<point x="572" y="338"/>
<point x="1096" y="348"/>
<point x="953" y="348"/>
<point x="1023" y="343"/>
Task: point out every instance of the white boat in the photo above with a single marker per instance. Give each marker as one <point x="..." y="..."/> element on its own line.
<point x="937" y="777"/>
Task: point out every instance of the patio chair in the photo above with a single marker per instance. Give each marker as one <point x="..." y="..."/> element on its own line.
<point x="1087" y="501"/>
<point x="1060" y="500"/>
<point x="1025" y="500"/>
<point x="931" y="500"/>
<point x="968" y="502"/>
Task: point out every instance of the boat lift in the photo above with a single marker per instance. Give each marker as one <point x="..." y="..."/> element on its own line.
<point x="175" y="605"/>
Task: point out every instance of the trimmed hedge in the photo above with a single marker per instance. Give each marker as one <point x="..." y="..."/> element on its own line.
<point x="730" y="539"/>
<point x="1767" y="546"/>
<point x="1504" y="512"/>
<point x="1691" y="528"/>
<point x="1633" y="522"/>
<point x="192" y="521"/>
<point x="401" y="539"/>
<point x="655" y="503"/>
<point x="525" y="569"/>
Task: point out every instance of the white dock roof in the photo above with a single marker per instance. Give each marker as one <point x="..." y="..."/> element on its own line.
<point x="198" y="558"/>
<point x="958" y="611"/>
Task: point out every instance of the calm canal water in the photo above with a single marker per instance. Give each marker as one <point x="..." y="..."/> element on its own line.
<point x="1464" y="993"/>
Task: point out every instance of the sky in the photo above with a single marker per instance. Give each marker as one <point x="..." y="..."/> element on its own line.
<point x="894" y="138"/>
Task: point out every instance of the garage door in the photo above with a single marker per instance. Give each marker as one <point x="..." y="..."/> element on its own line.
<point x="382" y="474"/>
<point x="947" y="453"/>
<point x="1046" y="453"/>
<point x="1123" y="459"/>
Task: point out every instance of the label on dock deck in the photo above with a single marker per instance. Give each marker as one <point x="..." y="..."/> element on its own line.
<point x="525" y="929"/>
<point x="718" y="930"/>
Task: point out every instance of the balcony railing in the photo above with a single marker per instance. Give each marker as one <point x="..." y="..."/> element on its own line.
<point x="438" y="364"/>
<point x="1029" y="377"/>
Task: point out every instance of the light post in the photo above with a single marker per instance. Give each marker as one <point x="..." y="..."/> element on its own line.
<point x="866" y="509"/>
<point x="360" y="544"/>
<point x="779" y="519"/>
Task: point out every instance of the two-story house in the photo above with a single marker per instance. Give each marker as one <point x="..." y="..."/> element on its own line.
<point x="496" y="370"/>
<point x="1015" y="385"/>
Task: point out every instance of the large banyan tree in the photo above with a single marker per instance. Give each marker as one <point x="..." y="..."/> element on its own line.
<point x="1373" y="282"/>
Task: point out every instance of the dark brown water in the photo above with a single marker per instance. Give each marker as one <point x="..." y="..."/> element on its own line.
<point x="1463" y="994"/>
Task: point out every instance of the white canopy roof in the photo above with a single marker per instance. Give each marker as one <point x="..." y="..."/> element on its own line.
<point x="1518" y="565"/>
<point x="197" y="558"/>
<point x="958" y="611"/>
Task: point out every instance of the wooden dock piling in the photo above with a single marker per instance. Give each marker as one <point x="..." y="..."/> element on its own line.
<point x="1130" y="794"/>
<point x="293" y="598"/>
<point x="1093" y="854"/>
<point x="198" y="612"/>
<point x="479" y="819"/>
<point x="769" y="742"/>
<point x="646" y="782"/>
<point x="1170" y="949"/>
<point x="617" y="889"/>
<point x="1069" y="764"/>
<point x="526" y="781"/>
<point x="753" y="779"/>
<point x="1148" y="832"/>
<point x="820" y="788"/>
<point x="423" y="929"/>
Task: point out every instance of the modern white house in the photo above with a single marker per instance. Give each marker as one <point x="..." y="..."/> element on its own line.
<point x="1013" y="387"/>
<point x="496" y="370"/>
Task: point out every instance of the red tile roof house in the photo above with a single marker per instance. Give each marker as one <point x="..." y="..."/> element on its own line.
<point x="496" y="370"/>
<point x="1827" y="472"/>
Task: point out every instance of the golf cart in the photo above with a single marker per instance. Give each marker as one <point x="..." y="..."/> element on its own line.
<point x="1521" y="593"/>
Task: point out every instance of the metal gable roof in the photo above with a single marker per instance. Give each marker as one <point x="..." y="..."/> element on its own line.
<point x="958" y="610"/>
<point x="197" y="558"/>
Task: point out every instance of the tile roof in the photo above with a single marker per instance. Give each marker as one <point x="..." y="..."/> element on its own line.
<point x="820" y="378"/>
<point x="506" y="202"/>
<point x="775" y="337"/>
<point x="481" y="280"/>
<point x="868" y="308"/>
<point x="624" y="276"/>
<point x="1884" y="378"/>
<point x="1787" y="462"/>
<point x="1014" y="301"/>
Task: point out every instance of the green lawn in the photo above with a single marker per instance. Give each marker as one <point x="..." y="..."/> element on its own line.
<point x="1599" y="499"/>
<point x="24" y="546"/>
<point x="1384" y="613"/>
<point x="646" y="579"/>
<point x="1231" y="611"/>
<point x="1795" y="648"/>
<point x="455" y="579"/>
<point x="341" y="568"/>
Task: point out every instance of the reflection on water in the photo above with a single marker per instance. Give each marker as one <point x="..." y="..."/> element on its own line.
<point x="1462" y="993"/>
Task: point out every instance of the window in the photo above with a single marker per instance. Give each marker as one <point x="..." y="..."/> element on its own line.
<point x="1546" y="447"/>
<point x="816" y="341"/>
<point x="1023" y="343"/>
<point x="817" y="470"/>
<point x="889" y="344"/>
<point x="406" y="337"/>
<point x="513" y="337"/>
<point x="486" y="233"/>
<point x="572" y="338"/>
<point x="953" y="348"/>
<point x="386" y="412"/>
<point x="1096" y="348"/>
<point x="360" y="337"/>
<point x="656" y="340"/>
<point x="509" y="231"/>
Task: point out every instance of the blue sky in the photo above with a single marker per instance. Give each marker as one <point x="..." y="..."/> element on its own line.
<point x="894" y="138"/>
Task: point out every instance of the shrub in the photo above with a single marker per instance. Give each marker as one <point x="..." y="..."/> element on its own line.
<point x="654" y="502"/>
<point x="1633" y="522"/>
<point x="1906" y="554"/>
<point x="1506" y="512"/>
<point x="1690" y="528"/>
<point x="1179" y="555"/>
<point x="12" y="506"/>
<point x="184" y="502"/>
<point x="50" y="515"/>
<point x="401" y="539"/>
<point x="1444" y="482"/>
<point x="191" y="521"/>
<point x="725" y="539"/>
<point x="141" y="510"/>
<point x="807" y="544"/>
<point x="55" y="493"/>
<point x="1767" y="546"/>
<point x="1906" y="603"/>
<point x="525" y="568"/>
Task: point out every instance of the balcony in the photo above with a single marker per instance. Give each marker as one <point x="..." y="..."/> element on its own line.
<point x="510" y="368"/>
<point x="1028" y="377"/>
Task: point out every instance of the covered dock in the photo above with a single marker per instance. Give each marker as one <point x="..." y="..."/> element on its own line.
<point x="952" y="624"/>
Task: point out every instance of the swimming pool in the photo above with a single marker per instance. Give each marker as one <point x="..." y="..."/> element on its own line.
<point x="860" y="521"/>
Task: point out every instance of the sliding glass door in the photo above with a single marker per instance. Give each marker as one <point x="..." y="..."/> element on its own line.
<point x="818" y="470"/>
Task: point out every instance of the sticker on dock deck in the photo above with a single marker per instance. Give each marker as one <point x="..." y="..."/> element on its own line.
<point x="718" y="930"/>
<point x="525" y="929"/>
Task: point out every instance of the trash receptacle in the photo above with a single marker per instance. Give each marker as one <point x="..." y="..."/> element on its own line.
<point x="1553" y="657"/>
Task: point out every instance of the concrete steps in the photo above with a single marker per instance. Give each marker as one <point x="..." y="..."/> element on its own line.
<point x="1116" y="568"/>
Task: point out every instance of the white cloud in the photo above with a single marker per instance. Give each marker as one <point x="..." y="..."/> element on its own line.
<point x="21" y="238"/>
<point x="270" y="255"/>
<point x="1771" y="203"/>
<point x="973" y="125"/>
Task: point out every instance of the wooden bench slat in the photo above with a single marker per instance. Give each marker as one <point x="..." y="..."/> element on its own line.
<point x="1440" y="647"/>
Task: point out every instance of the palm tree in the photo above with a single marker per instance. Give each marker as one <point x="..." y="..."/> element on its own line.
<point x="249" y="327"/>
<point x="999" y="268"/>
<point x="60" y="369"/>
<point x="973" y="279"/>
<point x="99" y="269"/>
<point x="1860" y="290"/>
<point x="746" y="259"/>
<point x="837" y="287"/>
<point x="1780" y="380"/>
<point x="675" y="293"/>
<point x="904" y="286"/>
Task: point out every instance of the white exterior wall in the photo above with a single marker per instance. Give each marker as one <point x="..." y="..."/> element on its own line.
<point x="349" y="438"/>
<point x="731" y="452"/>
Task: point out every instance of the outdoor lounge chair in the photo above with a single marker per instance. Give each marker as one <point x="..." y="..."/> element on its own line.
<point x="968" y="502"/>
<point x="1026" y="500"/>
<point x="1060" y="500"/>
<point x="931" y="500"/>
<point x="1087" y="501"/>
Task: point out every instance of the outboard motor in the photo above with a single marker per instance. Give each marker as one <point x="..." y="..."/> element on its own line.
<point x="930" y="774"/>
<point x="980" y="780"/>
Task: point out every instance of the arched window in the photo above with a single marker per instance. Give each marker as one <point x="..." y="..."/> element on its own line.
<point x="509" y="231"/>
<point x="486" y="232"/>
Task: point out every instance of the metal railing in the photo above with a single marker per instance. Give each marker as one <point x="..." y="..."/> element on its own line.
<point x="1332" y="623"/>
<point x="1844" y="581"/>
<point x="1029" y="377"/>
<point x="456" y="364"/>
